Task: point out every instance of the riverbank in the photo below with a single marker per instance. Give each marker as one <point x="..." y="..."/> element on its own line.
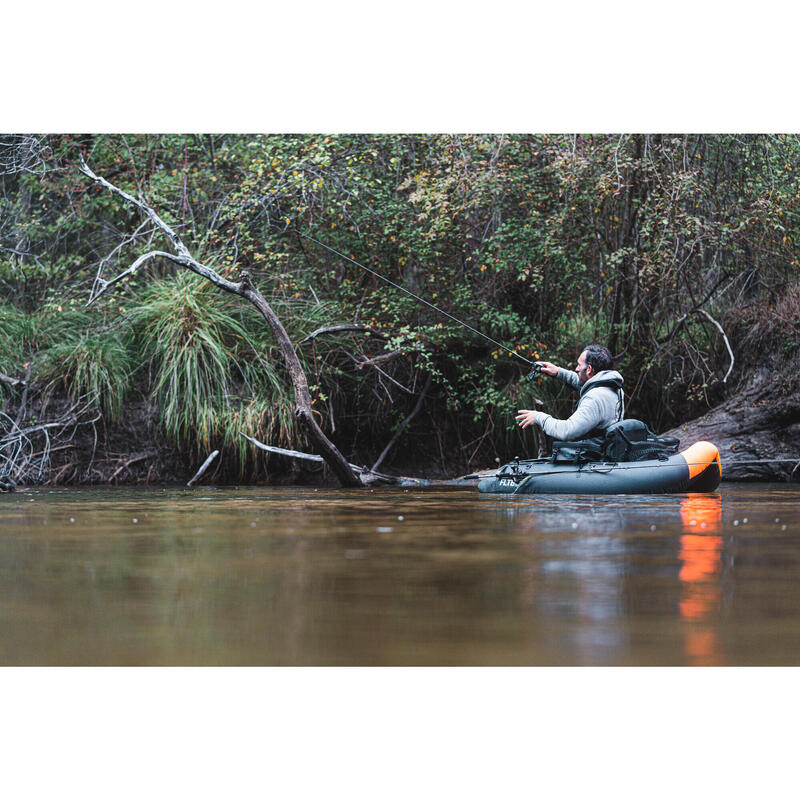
<point x="162" y="295"/>
<point x="84" y="451"/>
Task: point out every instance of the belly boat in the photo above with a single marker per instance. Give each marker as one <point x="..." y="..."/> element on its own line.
<point x="696" y="469"/>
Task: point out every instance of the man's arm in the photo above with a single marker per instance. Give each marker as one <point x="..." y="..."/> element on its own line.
<point x="566" y="375"/>
<point x="569" y="377"/>
<point x="588" y="415"/>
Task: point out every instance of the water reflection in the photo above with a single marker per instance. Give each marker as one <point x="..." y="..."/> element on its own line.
<point x="288" y="576"/>
<point x="700" y="555"/>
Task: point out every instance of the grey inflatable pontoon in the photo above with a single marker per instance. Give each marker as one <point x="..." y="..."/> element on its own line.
<point x="696" y="469"/>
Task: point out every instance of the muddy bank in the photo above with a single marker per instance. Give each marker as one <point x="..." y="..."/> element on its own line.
<point x="56" y="443"/>
<point x="757" y="430"/>
<point x="757" y="425"/>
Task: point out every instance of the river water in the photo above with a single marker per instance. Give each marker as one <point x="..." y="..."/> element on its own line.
<point x="288" y="576"/>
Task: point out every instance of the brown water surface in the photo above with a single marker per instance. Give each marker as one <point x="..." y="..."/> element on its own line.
<point x="287" y="576"/>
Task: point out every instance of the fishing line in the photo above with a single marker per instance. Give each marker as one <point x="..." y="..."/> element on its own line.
<point x="420" y="299"/>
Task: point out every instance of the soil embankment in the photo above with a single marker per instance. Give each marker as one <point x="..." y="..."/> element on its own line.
<point x="757" y="430"/>
<point x="757" y="427"/>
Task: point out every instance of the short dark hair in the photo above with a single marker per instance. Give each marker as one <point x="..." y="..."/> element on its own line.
<point x="598" y="357"/>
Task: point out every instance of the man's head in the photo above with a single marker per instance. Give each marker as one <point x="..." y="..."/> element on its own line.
<point x="594" y="358"/>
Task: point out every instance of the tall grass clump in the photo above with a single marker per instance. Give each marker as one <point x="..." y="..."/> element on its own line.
<point x="188" y="337"/>
<point x="215" y="368"/>
<point x="15" y="330"/>
<point x="64" y="351"/>
<point x="94" y="365"/>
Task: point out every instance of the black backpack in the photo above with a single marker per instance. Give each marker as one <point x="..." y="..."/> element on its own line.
<point x="627" y="440"/>
<point x="632" y="440"/>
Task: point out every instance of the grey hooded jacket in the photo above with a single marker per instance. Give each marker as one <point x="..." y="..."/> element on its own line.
<point x="597" y="408"/>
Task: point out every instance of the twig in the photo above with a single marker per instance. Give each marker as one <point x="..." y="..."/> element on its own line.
<point x="378" y="359"/>
<point x="389" y="377"/>
<point x="404" y="424"/>
<point x="128" y="463"/>
<point x="203" y="468"/>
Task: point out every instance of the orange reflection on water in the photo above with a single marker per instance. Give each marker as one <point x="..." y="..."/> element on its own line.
<point x="700" y="553"/>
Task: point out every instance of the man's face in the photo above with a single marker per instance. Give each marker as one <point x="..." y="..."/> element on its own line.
<point x="584" y="371"/>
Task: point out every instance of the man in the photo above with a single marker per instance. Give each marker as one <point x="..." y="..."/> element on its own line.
<point x="601" y="400"/>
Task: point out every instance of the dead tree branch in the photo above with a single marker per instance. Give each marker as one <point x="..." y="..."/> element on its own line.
<point x="340" y="329"/>
<point x="379" y="359"/>
<point x="244" y="288"/>
<point x="368" y="476"/>
<point x="199" y="474"/>
<point x="724" y="337"/>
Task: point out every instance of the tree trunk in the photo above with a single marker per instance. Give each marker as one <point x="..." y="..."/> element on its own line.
<point x="334" y="459"/>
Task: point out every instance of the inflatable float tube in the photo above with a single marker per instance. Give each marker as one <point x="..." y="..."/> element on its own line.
<point x="696" y="469"/>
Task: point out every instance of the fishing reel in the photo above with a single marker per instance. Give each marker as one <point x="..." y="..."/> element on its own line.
<point x="536" y="370"/>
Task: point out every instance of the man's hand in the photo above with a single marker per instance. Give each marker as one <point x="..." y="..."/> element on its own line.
<point x="548" y="368"/>
<point x="525" y="417"/>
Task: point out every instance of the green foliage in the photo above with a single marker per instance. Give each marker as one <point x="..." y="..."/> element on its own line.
<point x="543" y="242"/>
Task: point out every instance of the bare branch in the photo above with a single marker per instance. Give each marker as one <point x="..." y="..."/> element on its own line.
<point x="404" y="424"/>
<point x="23" y="153"/>
<point x="725" y="338"/>
<point x="199" y="474"/>
<point x="378" y="359"/>
<point x="340" y="328"/>
<point x="184" y="257"/>
<point x="367" y="475"/>
<point x="100" y="285"/>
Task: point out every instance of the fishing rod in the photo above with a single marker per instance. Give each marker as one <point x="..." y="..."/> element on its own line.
<point x="535" y="368"/>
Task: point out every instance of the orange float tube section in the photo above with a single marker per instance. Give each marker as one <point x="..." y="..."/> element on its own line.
<point x="705" y="468"/>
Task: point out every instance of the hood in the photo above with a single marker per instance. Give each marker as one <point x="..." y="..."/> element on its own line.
<point x="606" y="377"/>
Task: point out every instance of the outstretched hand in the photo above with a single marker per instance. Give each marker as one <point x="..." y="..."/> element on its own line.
<point x="526" y="418"/>
<point x="548" y="368"/>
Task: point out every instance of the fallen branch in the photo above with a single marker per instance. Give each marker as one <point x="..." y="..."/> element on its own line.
<point x="203" y="468"/>
<point x="367" y="475"/>
<point x="282" y="451"/>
